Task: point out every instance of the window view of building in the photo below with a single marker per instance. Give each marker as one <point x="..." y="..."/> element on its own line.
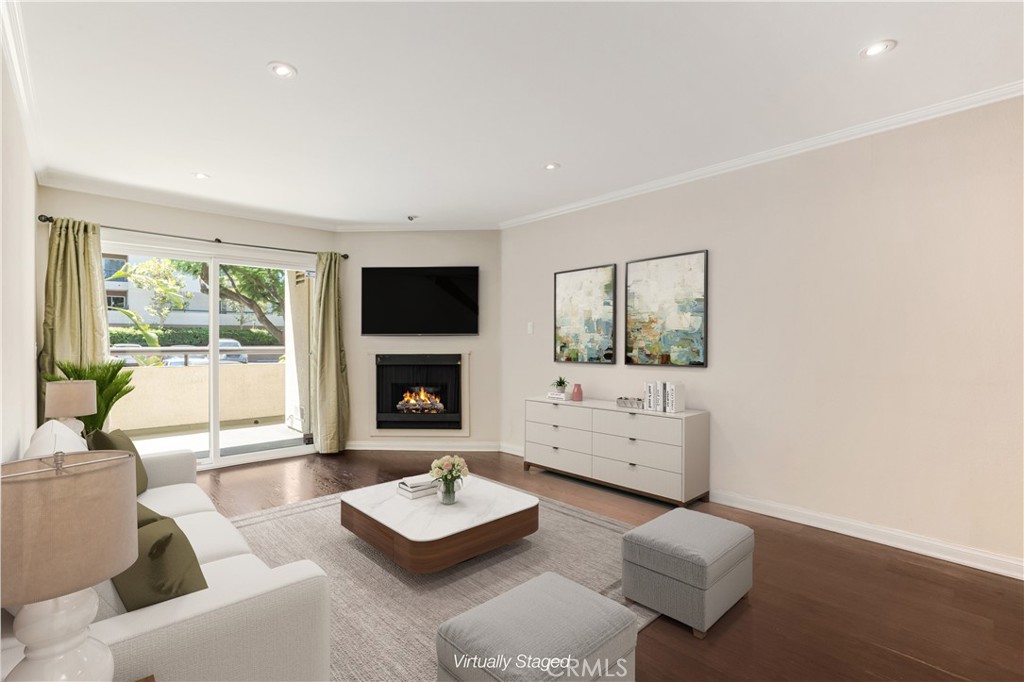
<point x="117" y="299"/>
<point x="111" y="265"/>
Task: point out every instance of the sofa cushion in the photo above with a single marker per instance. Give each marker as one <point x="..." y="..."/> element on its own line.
<point x="119" y="440"/>
<point x="230" y="571"/>
<point x="146" y="515"/>
<point x="166" y="568"/>
<point x="110" y="602"/>
<point x="177" y="500"/>
<point x="212" y="536"/>
<point x="53" y="437"/>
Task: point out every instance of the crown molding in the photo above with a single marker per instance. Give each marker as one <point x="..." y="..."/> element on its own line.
<point x="952" y="106"/>
<point x="16" y="57"/>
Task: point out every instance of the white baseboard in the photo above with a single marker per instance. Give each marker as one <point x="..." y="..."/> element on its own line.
<point x="512" y="449"/>
<point x="919" y="544"/>
<point x="407" y="444"/>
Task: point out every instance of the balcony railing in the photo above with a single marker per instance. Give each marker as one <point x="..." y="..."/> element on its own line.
<point x="192" y="356"/>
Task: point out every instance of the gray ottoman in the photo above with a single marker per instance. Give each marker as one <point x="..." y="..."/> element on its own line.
<point x="548" y="628"/>
<point x="689" y="566"/>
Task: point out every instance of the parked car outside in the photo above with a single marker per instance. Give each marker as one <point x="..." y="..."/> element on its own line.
<point x="232" y="357"/>
<point x="129" y="360"/>
<point x="193" y="359"/>
<point x="200" y="358"/>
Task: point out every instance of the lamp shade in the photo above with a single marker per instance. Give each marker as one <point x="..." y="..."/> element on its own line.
<point x="70" y="398"/>
<point x="68" y="528"/>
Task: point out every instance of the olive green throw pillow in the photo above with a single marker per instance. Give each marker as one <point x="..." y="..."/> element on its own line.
<point x="147" y="515"/>
<point x="166" y="568"/>
<point x="119" y="440"/>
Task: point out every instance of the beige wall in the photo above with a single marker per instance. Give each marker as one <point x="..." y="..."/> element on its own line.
<point x="365" y="249"/>
<point x="481" y="248"/>
<point x="17" y="272"/>
<point x="180" y="396"/>
<point x="865" y="324"/>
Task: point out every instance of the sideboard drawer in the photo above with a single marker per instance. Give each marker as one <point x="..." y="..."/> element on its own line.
<point x="569" y="461"/>
<point x="644" y="479"/>
<point x="559" y="436"/>
<point x="640" y="426"/>
<point x="559" y="414"/>
<point x="643" y="452"/>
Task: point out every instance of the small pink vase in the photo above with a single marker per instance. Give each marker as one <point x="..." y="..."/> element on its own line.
<point x="577" y="392"/>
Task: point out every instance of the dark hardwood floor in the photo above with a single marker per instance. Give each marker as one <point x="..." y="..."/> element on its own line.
<point x="824" y="606"/>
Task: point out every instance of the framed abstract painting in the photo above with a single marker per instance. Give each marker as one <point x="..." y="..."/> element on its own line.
<point x="667" y="310"/>
<point x="585" y="315"/>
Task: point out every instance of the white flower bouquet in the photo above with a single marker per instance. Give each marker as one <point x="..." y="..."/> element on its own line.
<point x="447" y="470"/>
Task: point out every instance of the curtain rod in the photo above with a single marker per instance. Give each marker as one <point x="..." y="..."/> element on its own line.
<point x="216" y="240"/>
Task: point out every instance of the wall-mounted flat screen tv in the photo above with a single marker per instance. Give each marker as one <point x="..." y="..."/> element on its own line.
<point x="421" y="301"/>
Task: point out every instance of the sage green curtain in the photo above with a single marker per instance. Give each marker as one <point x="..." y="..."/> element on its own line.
<point x="330" y="371"/>
<point x="75" y="312"/>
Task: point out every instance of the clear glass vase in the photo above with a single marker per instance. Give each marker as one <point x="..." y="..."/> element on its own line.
<point x="446" y="491"/>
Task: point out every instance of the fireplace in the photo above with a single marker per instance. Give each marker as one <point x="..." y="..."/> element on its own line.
<point x="419" y="391"/>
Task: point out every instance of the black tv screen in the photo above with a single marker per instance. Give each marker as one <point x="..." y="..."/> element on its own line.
<point x="420" y="301"/>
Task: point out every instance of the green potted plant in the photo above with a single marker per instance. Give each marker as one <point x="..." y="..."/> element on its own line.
<point x="560" y="385"/>
<point x="113" y="382"/>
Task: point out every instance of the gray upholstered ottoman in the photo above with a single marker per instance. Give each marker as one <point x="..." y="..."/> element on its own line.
<point x="548" y="628"/>
<point x="689" y="566"/>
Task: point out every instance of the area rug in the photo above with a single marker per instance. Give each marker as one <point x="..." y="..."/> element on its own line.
<point x="384" y="618"/>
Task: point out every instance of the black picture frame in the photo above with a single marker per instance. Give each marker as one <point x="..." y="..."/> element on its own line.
<point x="657" y="285"/>
<point x="577" y="293"/>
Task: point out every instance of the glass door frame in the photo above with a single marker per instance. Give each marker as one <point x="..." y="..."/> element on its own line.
<point x="214" y="255"/>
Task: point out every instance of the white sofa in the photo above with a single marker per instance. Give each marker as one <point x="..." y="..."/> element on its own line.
<point x="252" y="622"/>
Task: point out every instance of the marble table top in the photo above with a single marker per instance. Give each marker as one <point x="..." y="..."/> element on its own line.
<point x="425" y="519"/>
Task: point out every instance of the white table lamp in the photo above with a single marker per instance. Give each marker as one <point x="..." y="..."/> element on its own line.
<point x="66" y="400"/>
<point x="69" y="522"/>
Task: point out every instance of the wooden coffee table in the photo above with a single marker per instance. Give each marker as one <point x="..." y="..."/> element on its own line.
<point x="425" y="536"/>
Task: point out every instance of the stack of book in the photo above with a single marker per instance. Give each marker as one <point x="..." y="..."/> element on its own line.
<point x="416" y="486"/>
<point x="661" y="396"/>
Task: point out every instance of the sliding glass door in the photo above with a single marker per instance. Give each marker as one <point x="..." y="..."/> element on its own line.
<point x="219" y="349"/>
<point x="262" y="405"/>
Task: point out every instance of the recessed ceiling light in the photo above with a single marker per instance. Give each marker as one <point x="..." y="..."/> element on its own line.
<point x="282" y="70"/>
<point x="200" y="176"/>
<point x="878" y="47"/>
<point x="552" y="166"/>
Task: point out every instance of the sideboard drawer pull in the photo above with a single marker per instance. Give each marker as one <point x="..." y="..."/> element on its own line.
<point x="633" y="440"/>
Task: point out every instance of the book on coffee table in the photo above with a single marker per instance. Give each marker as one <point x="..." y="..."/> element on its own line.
<point x="420" y="481"/>
<point x="415" y="494"/>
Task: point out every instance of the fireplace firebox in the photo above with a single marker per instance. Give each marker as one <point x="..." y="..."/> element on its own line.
<point x="419" y="391"/>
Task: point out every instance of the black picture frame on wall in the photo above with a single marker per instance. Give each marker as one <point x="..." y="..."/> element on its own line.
<point x="584" y="328"/>
<point x="667" y="310"/>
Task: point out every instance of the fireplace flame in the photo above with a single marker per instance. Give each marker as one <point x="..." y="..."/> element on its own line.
<point x="419" y="400"/>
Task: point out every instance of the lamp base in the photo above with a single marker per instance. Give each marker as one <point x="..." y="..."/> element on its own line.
<point x="55" y="633"/>
<point x="76" y="425"/>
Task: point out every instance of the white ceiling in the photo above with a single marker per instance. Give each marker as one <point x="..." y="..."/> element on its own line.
<point x="450" y="111"/>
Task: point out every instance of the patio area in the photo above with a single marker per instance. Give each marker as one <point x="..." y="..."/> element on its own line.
<point x="234" y="440"/>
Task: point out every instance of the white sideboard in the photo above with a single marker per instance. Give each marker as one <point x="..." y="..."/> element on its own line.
<point x="658" y="454"/>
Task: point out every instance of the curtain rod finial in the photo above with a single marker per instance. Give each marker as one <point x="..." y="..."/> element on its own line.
<point x="43" y="218"/>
